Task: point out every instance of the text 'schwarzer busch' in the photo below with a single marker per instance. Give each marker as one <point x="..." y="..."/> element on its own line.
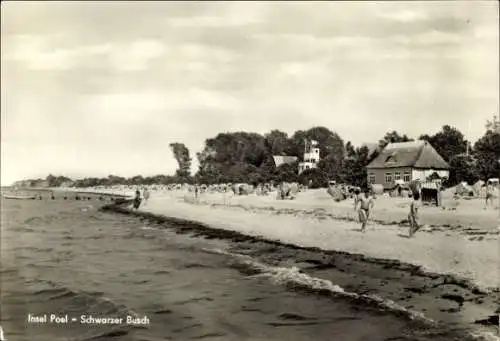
<point x="87" y="319"/>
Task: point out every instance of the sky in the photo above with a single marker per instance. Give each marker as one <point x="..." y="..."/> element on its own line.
<point x="95" y="88"/>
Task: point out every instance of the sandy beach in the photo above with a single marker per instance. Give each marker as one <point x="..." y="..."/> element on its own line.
<point x="462" y="242"/>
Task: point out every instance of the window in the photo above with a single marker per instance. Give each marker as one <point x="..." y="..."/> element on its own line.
<point x="371" y="178"/>
<point x="397" y="176"/>
<point x="391" y="158"/>
<point x="307" y="167"/>
<point x="388" y="177"/>
<point x="407" y="177"/>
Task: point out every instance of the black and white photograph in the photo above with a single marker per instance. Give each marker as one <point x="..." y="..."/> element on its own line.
<point x="250" y="171"/>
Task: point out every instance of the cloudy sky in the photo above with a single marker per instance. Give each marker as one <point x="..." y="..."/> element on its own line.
<point x="90" y="88"/>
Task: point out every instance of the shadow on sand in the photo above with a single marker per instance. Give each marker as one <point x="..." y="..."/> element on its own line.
<point x="404" y="236"/>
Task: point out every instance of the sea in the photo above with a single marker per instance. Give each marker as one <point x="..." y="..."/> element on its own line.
<point x="72" y="272"/>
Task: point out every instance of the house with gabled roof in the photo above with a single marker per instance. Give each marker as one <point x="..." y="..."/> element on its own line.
<point x="407" y="161"/>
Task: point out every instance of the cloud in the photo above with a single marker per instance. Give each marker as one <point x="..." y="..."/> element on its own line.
<point x="38" y="53"/>
<point x="210" y="21"/>
<point x="79" y="79"/>
<point x="135" y="56"/>
<point x="431" y="37"/>
<point x="404" y="16"/>
<point x="34" y="51"/>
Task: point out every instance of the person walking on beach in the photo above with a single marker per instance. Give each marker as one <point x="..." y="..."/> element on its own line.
<point x="488" y="196"/>
<point x="145" y="195"/>
<point x="366" y="203"/>
<point x="413" y="215"/>
<point x="137" y="199"/>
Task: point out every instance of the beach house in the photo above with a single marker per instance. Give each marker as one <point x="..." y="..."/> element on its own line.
<point x="405" y="162"/>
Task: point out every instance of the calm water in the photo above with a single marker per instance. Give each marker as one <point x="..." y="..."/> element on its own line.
<point x="67" y="258"/>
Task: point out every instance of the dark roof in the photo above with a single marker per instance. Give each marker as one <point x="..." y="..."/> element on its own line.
<point x="281" y="159"/>
<point x="417" y="154"/>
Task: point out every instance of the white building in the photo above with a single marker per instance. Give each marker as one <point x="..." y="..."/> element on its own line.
<point x="311" y="156"/>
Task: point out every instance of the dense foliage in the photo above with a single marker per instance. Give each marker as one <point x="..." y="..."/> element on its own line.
<point x="181" y="155"/>
<point x="448" y="142"/>
<point x="487" y="153"/>
<point x="463" y="168"/>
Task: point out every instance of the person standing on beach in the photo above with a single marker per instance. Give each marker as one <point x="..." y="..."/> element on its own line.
<point x="357" y="193"/>
<point x="413" y="215"/>
<point x="488" y="196"/>
<point x="366" y="203"/>
<point x="137" y="199"/>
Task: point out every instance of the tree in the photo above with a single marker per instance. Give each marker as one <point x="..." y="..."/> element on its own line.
<point x="333" y="168"/>
<point x="232" y="157"/>
<point x="51" y="180"/>
<point x="448" y="142"/>
<point x="314" y="177"/>
<point x="462" y="168"/>
<point x="354" y="170"/>
<point x="487" y="154"/>
<point x="181" y="154"/>
<point x="393" y="137"/>
<point x="268" y="169"/>
<point x="287" y="172"/>
<point x="115" y="180"/>
<point x="330" y="144"/>
<point x="56" y="181"/>
<point x="350" y="151"/>
<point x="247" y="157"/>
<point x="136" y="180"/>
<point x="276" y="142"/>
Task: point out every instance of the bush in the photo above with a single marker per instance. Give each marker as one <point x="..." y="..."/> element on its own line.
<point x="313" y="178"/>
<point x="286" y="172"/>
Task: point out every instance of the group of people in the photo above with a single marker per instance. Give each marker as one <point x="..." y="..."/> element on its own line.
<point x="138" y="200"/>
<point x="366" y="202"/>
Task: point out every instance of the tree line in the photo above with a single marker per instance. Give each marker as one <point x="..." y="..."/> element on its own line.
<point x="248" y="157"/>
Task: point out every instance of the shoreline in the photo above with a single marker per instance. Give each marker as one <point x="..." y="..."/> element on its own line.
<point x="468" y="303"/>
<point x="76" y="191"/>
<point x="198" y="228"/>
<point x="469" y="253"/>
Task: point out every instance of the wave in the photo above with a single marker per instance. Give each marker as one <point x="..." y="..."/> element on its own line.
<point x="88" y="303"/>
<point x="80" y="300"/>
<point x="148" y="228"/>
<point x="294" y="278"/>
<point x="114" y="333"/>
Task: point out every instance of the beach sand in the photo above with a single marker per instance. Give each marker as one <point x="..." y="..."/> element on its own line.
<point x="463" y="242"/>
